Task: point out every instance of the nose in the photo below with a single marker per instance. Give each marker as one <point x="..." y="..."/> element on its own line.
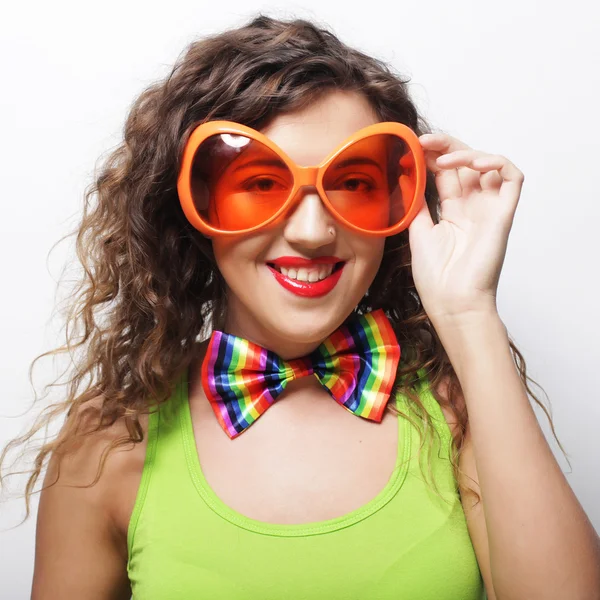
<point x="310" y="224"/>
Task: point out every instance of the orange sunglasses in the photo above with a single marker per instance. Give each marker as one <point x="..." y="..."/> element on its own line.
<point x="234" y="180"/>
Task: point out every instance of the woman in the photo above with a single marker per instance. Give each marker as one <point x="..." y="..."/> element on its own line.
<point x="228" y="281"/>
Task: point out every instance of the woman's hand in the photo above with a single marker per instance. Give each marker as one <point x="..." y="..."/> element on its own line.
<point x="456" y="263"/>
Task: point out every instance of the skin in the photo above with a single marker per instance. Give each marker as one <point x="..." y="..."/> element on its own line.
<point x="288" y="324"/>
<point x="81" y="543"/>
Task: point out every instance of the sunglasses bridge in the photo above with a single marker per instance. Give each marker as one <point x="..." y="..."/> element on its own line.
<point x="306" y="177"/>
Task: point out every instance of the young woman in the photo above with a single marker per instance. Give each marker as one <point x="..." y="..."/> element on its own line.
<point x="279" y="237"/>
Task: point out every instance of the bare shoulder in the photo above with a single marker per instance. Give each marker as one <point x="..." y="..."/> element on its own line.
<point x="81" y="534"/>
<point x="117" y="486"/>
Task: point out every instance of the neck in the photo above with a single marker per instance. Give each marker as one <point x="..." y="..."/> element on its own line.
<point x="257" y="334"/>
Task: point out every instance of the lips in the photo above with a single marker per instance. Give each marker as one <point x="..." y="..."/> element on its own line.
<point x="298" y="261"/>
<point x="307" y="288"/>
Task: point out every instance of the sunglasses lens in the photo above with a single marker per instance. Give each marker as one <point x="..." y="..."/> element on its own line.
<point x="238" y="182"/>
<point x="371" y="183"/>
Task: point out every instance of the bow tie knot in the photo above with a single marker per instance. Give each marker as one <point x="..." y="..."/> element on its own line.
<point x="356" y="364"/>
<point x="296" y="368"/>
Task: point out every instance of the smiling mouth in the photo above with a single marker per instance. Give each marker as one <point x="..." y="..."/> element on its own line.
<point x="311" y="274"/>
<point x="308" y="281"/>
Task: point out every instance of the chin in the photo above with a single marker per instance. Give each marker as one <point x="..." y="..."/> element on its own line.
<point x="283" y="319"/>
<point x="306" y="325"/>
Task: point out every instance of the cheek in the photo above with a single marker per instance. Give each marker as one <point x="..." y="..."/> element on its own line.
<point x="370" y="253"/>
<point x="368" y="256"/>
<point x="237" y="257"/>
<point x="230" y="258"/>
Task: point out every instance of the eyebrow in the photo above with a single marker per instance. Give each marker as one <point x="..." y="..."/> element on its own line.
<point x="263" y="162"/>
<point x="358" y="160"/>
<point x="274" y="162"/>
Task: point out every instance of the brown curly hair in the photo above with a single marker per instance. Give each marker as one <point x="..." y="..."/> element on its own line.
<point x="150" y="287"/>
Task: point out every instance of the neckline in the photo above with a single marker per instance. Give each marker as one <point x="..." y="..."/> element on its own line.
<point x="284" y="529"/>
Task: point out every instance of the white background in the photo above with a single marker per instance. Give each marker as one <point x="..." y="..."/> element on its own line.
<point x="518" y="78"/>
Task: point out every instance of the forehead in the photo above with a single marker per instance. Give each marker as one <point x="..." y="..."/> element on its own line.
<point x="309" y="135"/>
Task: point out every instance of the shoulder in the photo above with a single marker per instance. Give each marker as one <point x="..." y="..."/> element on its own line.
<point x="81" y="529"/>
<point x="113" y="488"/>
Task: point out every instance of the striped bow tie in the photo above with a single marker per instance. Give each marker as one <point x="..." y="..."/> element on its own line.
<point x="356" y="364"/>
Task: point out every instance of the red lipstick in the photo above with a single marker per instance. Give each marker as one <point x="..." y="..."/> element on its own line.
<point x="306" y="288"/>
<point x="291" y="262"/>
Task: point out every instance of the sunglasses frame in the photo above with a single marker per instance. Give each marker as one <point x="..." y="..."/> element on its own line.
<point x="302" y="175"/>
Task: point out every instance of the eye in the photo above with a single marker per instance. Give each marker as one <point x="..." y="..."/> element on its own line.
<point x="355" y="184"/>
<point x="263" y="184"/>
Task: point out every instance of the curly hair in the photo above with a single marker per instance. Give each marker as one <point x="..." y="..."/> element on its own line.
<point x="150" y="287"/>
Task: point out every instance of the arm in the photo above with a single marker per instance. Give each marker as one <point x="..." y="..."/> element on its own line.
<point x="80" y="552"/>
<point x="474" y="515"/>
<point x="541" y="543"/>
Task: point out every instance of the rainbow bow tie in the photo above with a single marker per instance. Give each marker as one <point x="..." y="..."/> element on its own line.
<point x="356" y="364"/>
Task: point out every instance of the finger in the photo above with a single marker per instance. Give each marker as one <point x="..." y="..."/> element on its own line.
<point x="446" y="180"/>
<point x="513" y="178"/>
<point x="420" y="225"/>
<point x="490" y="181"/>
<point x="442" y="142"/>
<point x="470" y="180"/>
<point x="496" y="168"/>
<point x="502" y="175"/>
<point x="450" y="182"/>
<point x="461" y="160"/>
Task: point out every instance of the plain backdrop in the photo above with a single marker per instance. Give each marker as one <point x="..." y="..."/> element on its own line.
<point x="517" y="78"/>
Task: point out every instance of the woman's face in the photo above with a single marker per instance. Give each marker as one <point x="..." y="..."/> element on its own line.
<point x="263" y="306"/>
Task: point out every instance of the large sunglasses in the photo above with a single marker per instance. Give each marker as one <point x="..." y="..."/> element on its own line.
<point x="235" y="180"/>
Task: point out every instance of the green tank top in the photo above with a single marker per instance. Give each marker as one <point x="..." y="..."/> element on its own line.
<point x="185" y="543"/>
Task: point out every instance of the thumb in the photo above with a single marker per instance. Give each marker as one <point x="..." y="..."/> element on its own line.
<point x="421" y="224"/>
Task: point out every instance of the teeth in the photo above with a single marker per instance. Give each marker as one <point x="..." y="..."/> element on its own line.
<point x="302" y="275"/>
<point x="325" y="271"/>
<point x="310" y="275"/>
